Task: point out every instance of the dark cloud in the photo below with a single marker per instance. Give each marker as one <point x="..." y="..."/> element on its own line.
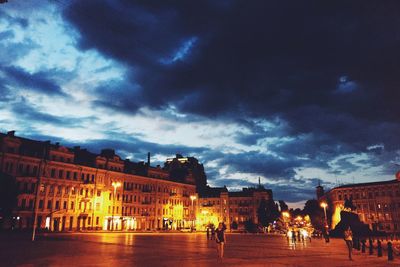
<point x="40" y="82"/>
<point x="257" y="59"/>
<point x="270" y="166"/>
<point x="250" y="57"/>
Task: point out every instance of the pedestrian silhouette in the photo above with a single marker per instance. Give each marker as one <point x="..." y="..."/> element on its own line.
<point x="390" y="251"/>
<point x="348" y="238"/>
<point x="379" y="248"/>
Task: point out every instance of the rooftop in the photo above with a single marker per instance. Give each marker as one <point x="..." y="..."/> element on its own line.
<point x="368" y="184"/>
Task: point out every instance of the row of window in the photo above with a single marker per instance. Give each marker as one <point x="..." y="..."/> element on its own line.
<point x="152" y="188"/>
<point x="28" y="204"/>
<point x="23" y="170"/>
<point x="59" y="190"/>
<point x="61" y="158"/>
<point x="150" y="200"/>
<point x="379" y="206"/>
<point x="60" y="174"/>
<point x="369" y="194"/>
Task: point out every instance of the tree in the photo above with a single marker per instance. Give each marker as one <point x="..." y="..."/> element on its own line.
<point x="262" y="213"/>
<point x="272" y="211"/>
<point x="296" y="212"/>
<point x="8" y="197"/>
<point x="316" y="213"/>
<point x="283" y="206"/>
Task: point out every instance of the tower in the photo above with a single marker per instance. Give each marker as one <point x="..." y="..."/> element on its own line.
<point x="319" y="190"/>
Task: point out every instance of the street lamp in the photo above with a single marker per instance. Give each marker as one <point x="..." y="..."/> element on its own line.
<point x="286" y="216"/>
<point x="324" y="205"/>
<point x="193" y="198"/>
<point x="115" y="185"/>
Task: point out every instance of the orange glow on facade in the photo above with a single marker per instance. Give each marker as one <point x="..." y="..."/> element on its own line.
<point x="336" y="216"/>
<point x="204" y="218"/>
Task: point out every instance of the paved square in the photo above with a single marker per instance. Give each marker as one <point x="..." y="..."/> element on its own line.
<point x="174" y="249"/>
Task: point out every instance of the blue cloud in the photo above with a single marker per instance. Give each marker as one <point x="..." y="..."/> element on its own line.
<point x="39" y="82"/>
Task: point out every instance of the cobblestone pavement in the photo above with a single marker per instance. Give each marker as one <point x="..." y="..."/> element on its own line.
<point x="175" y="249"/>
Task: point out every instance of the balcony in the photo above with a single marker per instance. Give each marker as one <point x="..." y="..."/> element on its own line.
<point x="146" y="202"/>
<point x="145" y="214"/>
<point x="27" y="192"/>
<point x="85" y="198"/>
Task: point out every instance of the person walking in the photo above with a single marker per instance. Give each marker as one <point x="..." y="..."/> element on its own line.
<point x="208" y="233"/>
<point x="212" y="232"/>
<point x="348" y="238"/>
<point x="293" y="236"/>
<point x="220" y="239"/>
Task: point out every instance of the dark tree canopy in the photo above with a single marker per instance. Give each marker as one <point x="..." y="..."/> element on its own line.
<point x="313" y="209"/>
<point x="283" y="206"/>
<point x="8" y="194"/>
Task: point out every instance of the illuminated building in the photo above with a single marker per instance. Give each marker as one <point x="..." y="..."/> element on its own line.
<point x="219" y="205"/>
<point x="82" y="190"/>
<point x="377" y="203"/>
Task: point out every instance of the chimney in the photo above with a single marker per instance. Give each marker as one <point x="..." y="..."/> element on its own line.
<point x="11" y="133"/>
<point x="148" y="159"/>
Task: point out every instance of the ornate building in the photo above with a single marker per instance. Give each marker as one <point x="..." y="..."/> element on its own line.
<point x="82" y="190"/>
<point x="376" y="203"/>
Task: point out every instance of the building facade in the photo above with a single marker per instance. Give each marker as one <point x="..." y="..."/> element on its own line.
<point x="377" y="203"/>
<point x="81" y="190"/>
<point x="219" y="205"/>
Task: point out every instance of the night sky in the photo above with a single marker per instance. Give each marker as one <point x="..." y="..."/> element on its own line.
<point x="288" y="91"/>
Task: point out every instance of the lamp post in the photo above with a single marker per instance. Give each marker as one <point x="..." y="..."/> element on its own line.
<point x="286" y="216"/>
<point x="324" y="205"/>
<point x="192" y="197"/>
<point x="115" y="185"/>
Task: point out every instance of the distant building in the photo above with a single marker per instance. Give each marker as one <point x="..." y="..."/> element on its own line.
<point x="189" y="168"/>
<point x="218" y="204"/>
<point x="377" y="203"/>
